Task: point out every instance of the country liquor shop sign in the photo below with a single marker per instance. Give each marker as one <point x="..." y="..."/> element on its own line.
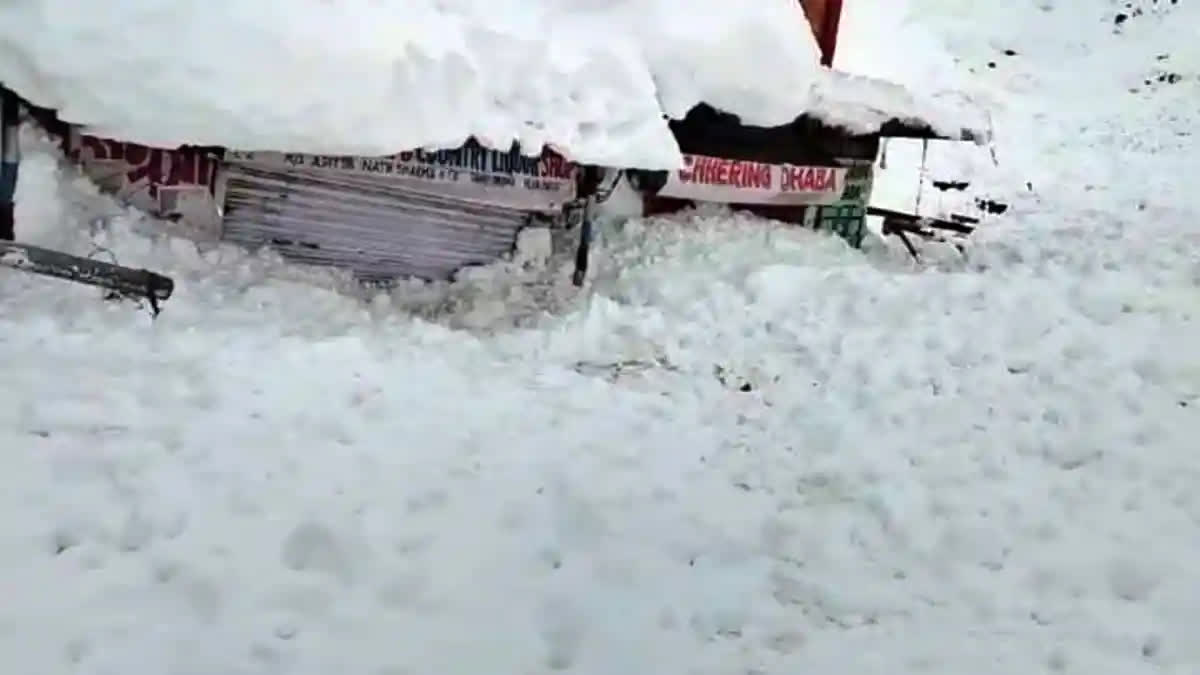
<point x="471" y="172"/>
<point x="732" y="181"/>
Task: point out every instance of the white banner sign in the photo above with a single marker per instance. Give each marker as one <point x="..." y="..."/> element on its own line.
<point x="470" y="173"/>
<point x="734" y="181"/>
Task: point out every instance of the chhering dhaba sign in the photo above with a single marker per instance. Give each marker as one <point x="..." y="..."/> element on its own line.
<point x="733" y="181"/>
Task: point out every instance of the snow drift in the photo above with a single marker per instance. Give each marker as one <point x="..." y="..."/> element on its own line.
<point x="747" y="449"/>
<point x="593" y="79"/>
<point x="371" y="77"/>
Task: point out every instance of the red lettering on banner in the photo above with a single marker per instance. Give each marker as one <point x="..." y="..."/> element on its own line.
<point x="100" y="149"/>
<point x="808" y="179"/>
<point x="158" y="167"/>
<point x="144" y="163"/>
<point x="553" y="165"/>
<point x="190" y="167"/>
<point x="731" y="172"/>
<point x="717" y="179"/>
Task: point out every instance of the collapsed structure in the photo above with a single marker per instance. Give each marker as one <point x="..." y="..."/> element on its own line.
<point x="429" y="213"/>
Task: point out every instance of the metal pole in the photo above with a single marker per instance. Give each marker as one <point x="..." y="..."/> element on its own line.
<point x="125" y="281"/>
<point x="10" y="157"/>
<point x="829" y="31"/>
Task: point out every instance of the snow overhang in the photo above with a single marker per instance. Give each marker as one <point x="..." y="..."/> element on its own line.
<point x="865" y="105"/>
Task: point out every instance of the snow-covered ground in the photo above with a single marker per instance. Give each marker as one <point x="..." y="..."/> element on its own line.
<point x="748" y="449"/>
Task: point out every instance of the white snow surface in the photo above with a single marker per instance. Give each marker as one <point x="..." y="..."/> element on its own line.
<point x="985" y="466"/>
<point x="593" y="79"/>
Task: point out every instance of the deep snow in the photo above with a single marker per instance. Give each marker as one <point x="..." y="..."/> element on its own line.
<point x="594" y="79"/>
<point x="982" y="467"/>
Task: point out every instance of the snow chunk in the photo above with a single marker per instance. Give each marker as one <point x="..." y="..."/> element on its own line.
<point x="534" y="246"/>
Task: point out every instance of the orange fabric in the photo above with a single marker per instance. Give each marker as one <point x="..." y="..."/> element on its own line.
<point x="824" y="16"/>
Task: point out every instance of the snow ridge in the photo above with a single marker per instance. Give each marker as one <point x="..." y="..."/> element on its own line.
<point x="374" y="77"/>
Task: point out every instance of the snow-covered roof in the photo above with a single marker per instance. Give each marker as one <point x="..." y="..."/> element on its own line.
<point x="596" y="81"/>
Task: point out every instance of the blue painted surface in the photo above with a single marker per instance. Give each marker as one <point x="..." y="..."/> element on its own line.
<point x="9" y="152"/>
<point x="8" y="181"/>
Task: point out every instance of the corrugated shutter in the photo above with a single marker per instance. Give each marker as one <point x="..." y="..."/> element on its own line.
<point x="369" y="224"/>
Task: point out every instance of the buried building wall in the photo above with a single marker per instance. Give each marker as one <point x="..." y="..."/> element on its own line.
<point x="416" y="213"/>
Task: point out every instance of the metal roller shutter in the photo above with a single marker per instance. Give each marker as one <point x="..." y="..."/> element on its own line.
<point x="375" y="226"/>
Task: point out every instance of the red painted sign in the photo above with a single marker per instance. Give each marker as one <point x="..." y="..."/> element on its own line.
<point x="155" y="167"/>
<point x="732" y="181"/>
<point x="177" y="184"/>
